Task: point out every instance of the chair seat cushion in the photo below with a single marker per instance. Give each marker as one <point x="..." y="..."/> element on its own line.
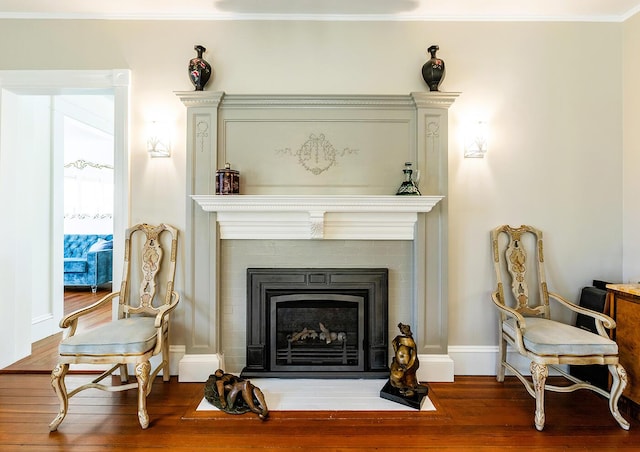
<point x="548" y="337"/>
<point x="131" y="336"/>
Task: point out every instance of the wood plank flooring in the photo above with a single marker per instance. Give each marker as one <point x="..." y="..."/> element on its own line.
<point x="473" y="414"/>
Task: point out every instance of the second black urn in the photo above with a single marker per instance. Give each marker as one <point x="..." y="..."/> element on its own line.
<point x="433" y="70"/>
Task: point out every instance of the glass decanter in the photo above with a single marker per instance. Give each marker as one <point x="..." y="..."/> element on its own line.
<point x="409" y="185"/>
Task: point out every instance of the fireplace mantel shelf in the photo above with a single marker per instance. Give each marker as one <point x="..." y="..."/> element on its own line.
<point x="364" y="217"/>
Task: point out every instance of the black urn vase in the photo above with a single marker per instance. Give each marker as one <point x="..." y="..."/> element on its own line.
<point x="199" y="69"/>
<point x="433" y="70"/>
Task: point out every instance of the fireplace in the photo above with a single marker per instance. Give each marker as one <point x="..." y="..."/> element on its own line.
<point x="317" y="322"/>
<point x="310" y="212"/>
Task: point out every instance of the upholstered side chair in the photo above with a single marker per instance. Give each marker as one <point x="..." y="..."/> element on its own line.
<point x="525" y="322"/>
<point x="140" y="331"/>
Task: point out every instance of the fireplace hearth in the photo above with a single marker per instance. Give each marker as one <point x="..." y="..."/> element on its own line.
<point x="317" y="322"/>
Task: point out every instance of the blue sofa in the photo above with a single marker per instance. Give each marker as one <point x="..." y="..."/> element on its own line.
<point x="88" y="260"/>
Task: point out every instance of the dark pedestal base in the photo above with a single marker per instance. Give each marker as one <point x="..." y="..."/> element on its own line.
<point x="390" y="393"/>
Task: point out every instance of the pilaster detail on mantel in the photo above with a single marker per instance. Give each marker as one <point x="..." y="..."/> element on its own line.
<point x="337" y="217"/>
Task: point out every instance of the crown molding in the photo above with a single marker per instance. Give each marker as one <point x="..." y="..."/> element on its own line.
<point x="320" y="17"/>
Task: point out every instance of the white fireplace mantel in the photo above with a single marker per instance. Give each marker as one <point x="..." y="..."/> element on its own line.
<point x="337" y="217"/>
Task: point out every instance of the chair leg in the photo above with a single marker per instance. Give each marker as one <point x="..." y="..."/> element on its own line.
<point x="124" y="374"/>
<point x="142" y="374"/>
<point x="166" y="376"/>
<point x="57" y="381"/>
<point x="539" y="374"/>
<point x="619" y="382"/>
<point x="502" y="356"/>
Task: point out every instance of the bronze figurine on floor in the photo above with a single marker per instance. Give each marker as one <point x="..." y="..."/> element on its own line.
<point x="222" y="390"/>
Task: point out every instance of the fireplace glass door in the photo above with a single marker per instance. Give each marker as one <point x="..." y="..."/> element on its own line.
<point x="316" y="332"/>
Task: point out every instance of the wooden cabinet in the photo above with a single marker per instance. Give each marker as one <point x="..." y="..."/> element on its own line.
<point x="624" y="307"/>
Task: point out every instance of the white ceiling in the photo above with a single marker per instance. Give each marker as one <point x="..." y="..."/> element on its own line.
<point x="514" y="10"/>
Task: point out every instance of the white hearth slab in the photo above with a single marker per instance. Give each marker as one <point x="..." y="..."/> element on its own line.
<point x="324" y="395"/>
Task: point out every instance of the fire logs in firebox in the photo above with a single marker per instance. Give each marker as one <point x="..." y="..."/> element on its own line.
<point x="311" y="335"/>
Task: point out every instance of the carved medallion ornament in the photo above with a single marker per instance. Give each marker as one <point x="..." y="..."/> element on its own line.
<point x="202" y="133"/>
<point x="317" y="154"/>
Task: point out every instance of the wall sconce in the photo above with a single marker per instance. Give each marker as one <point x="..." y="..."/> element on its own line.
<point x="475" y="143"/>
<point x="159" y="140"/>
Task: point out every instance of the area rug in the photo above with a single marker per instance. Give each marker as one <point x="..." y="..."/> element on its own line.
<point x="320" y="396"/>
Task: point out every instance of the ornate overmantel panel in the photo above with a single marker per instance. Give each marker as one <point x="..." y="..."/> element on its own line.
<point x="316" y="167"/>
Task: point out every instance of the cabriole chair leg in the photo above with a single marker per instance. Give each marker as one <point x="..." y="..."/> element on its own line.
<point x="539" y="374"/>
<point x="142" y="374"/>
<point x="57" y="381"/>
<point x="619" y="382"/>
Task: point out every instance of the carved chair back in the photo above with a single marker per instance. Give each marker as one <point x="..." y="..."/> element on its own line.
<point x="152" y="294"/>
<point x="515" y="251"/>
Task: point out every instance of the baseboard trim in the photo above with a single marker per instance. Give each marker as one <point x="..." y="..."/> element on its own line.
<point x="483" y="360"/>
<point x="461" y="360"/>
<point x="474" y="359"/>
<point x="197" y="368"/>
<point x="435" y="368"/>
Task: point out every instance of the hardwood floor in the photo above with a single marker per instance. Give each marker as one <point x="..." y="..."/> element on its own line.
<point x="473" y="413"/>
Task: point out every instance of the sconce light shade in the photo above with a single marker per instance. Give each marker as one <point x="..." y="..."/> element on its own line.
<point x="475" y="143"/>
<point x="159" y="140"/>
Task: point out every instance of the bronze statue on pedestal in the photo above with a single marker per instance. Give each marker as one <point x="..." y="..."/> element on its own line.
<point x="403" y="386"/>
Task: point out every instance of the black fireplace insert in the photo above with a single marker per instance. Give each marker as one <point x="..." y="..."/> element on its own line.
<point x="317" y="323"/>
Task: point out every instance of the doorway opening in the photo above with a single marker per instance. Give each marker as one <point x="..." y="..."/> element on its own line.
<point x="85" y="123"/>
<point x="32" y="193"/>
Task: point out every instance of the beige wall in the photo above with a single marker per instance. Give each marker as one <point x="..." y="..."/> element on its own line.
<point x="551" y="92"/>
<point x="631" y="150"/>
